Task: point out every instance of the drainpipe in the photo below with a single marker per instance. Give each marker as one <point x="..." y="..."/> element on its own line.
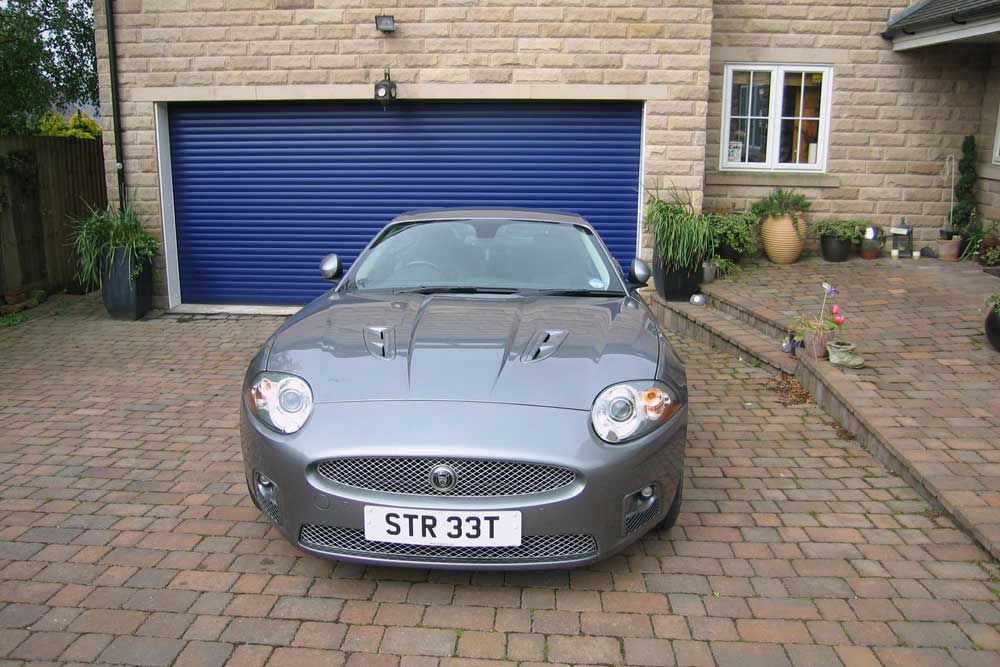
<point x="115" y="115"/>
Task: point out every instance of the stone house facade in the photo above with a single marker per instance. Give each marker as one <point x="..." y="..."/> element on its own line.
<point x="861" y="128"/>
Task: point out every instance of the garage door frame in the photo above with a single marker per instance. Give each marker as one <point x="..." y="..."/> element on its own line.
<point x="169" y="222"/>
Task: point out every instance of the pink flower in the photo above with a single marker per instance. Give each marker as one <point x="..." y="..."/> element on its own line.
<point x="838" y="320"/>
<point x="835" y="310"/>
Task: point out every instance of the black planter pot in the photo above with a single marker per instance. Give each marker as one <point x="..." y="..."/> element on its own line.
<point x="725" y="251"/>
<point x="125" y="298"/>
<point x="834" y="248"/>
<point x="992" y="327"/>
<point x="675" y="285"/>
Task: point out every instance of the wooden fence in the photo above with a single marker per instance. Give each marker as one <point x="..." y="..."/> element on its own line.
<point x="45" y="184"/>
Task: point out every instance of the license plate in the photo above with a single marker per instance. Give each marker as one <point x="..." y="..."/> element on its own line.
<point x="442" y="527"/>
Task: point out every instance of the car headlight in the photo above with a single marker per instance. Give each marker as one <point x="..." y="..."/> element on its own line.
<point x="282" y="401"/>
<point x="632" y="409"/>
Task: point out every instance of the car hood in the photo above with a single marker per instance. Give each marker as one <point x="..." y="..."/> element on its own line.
<point x="530" y="350"/>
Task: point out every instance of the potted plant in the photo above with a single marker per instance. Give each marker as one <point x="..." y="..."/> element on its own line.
<point x="992" y="324"/>
<point x="735" y="233"/>
<point x="990" y="259"/>
<point x="813" y="332"/>
<point x="116" y="254"/>
<point x="782" y="230"/>
<point x="964" y="219"/>
<point x="837" y="237"/>
<point x="949" y="246"/>
<point x="683" y="241"/>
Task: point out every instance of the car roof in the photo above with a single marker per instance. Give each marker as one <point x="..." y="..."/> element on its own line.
<point x="526" y="214"/>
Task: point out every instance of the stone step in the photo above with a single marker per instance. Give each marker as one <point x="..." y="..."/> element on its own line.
<point x="764" y="320"/>
<point x="724" y="332"/>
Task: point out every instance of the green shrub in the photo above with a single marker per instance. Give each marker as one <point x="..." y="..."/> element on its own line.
<point x="684" y="238"/>
<point x="845" y="230"/>
<point x="782" y="202"/>
<point x="111" y="228"/>
<point x="80" y="125"/>
<point x="737" y="229"/>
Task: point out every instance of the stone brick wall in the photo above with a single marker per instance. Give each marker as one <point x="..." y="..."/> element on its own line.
<point x="896" y="115"/>
<point x="988" y="186"/>
<point x="195" y="50"/>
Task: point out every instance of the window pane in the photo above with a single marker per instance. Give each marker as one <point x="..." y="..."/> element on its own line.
<point x="799" y="141"/>
<point x="792" y="94"/>
<point x="736" y="150"/>
<point x="757" y="144"/>
<point x="813" y="98"/>
<point x="740" y="101"/>
<point x="761" y="98"/>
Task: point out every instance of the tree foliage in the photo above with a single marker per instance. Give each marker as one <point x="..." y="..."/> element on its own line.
<point x="47" y="60"/>
<point x="963" y="215"/>
<point x="79" y="125"/>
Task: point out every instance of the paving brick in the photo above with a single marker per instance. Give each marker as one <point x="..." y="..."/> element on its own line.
<point x="152" y="651"/>
<point x="204" y="654"/>
<point x="260" y="631"/>
<point x="418" y="641"/>
<point x="584" y="650"/>
<point x="296" y="657"/>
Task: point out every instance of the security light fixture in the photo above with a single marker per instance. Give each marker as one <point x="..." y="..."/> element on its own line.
<point x="385" y="23"/>
<point x="385" y="90"/>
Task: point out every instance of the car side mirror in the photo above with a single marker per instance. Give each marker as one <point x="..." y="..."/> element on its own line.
<point x="638" y="275"/>
<point x="330" y="267"/>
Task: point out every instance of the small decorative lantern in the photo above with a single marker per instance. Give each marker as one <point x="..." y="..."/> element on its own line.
<point x="902" y="240"/>
<point x="871" y="244"/>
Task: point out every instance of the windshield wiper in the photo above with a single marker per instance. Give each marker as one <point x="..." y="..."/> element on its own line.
<point x="455" y="289"/>
<point x="580" y="292"/>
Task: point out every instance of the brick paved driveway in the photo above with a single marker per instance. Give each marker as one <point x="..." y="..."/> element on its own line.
<point x="126" y="536"/>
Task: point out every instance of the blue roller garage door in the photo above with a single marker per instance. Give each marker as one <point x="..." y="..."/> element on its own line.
<point x="263" y="191"/>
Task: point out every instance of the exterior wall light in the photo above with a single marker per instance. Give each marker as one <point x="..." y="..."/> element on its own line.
<point x="385" y="90"/>
<point x="385" y="23"/>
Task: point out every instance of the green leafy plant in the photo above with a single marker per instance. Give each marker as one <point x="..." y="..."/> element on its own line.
<point x="964" y="219"/>
<point x="990" y="257"/>
<point x="684" y="238"/>
<point x="845" y="230"/>
<point x="736" y="229"/>
<point x="782" y="202"/>
<point x="993" y="301"/>
<point x="725" y="267"/>
<point x="111" y="228"/>
<point x="827" y="320"/>
<point x="13" y="319"/>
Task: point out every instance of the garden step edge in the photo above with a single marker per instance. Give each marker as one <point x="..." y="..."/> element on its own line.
<point x="722" y="331"/>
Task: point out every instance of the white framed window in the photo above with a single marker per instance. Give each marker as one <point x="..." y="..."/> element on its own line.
<point x="775" y="117"/>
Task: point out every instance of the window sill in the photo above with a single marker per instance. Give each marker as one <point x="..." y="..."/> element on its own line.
<point x="988" y="171"/>
<point x="774" y="179"/>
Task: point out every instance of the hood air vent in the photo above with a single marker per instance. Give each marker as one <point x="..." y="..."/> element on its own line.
<point x="381" y="342"/>
<point x="542" y="345"/>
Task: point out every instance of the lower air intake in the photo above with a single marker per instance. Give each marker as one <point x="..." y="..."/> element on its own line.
<point x="533" y="547"/>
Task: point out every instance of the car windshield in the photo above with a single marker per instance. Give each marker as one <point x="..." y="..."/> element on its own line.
<point x="486" y="254"/>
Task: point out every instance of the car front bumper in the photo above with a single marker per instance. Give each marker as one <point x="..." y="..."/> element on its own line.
<point x="581" y="522"/>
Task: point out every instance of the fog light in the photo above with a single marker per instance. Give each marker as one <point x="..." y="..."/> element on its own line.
<point x="646" y="492"/>
<point x="267" y="490"/>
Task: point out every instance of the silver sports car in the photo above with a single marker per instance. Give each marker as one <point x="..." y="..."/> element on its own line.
<point x="482" y="389"/>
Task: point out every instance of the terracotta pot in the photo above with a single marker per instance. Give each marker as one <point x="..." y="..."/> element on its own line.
<point x="783" y="240"/>
<point x="815" y="344"/>
<point x="948" y="250"/>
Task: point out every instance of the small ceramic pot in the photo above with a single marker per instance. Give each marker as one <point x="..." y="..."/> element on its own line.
<point x="948" y="250"/>
<point x="710" y="272"/>
<point x="814" y="343"/>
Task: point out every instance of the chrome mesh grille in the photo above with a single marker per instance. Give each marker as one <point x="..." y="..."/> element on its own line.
<point x="474" y="478"/>
<point x="637" y="520"/>
<point x="533" y="547"/>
